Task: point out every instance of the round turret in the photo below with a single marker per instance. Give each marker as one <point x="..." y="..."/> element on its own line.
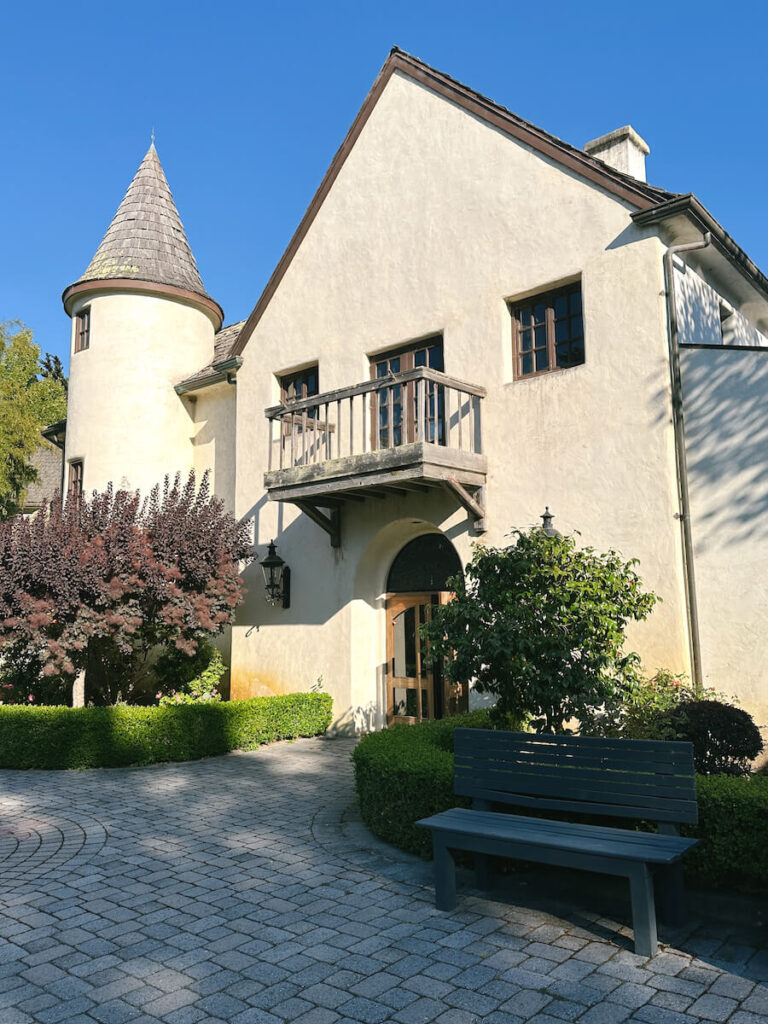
<point x="141" y="323"/>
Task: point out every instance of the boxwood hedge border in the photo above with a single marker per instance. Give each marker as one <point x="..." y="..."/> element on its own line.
<point x="405" y="773"/>
<point x="61" y="737"/>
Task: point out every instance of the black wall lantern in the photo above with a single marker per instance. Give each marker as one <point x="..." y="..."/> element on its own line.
<point x="277" y="578"/>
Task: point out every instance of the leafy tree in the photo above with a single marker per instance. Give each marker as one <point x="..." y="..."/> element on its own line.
<point x="540" y="625"/>
<point x="97" y="583"/>
<point x="28" y="402"/>
<point x="50" y="366"/>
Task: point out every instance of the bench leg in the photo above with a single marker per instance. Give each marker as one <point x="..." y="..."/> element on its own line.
<point x="483" y="871"/>
<point x="672" y="893"/>
<point x="643" y="911"/>
<point x="445" y="876"/>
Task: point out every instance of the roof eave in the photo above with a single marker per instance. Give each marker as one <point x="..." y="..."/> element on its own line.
<point x="224" y="371"/>
<point x="685" y="218"/>
<point x="624" y="187"/>
<point x="204" y="303"/>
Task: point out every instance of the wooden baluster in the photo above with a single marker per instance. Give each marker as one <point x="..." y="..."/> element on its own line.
<point x="316" y="434"/>
<point x="281" y="438"/>
<point x="461" y="418"/>
<point x="351" y="424"/>
<point x="269" y="455"/>
<point x="365" y="425"/>
<point x="292" y="423"/>
<point x="390" y="415"/>
<point x="471" y="423"/>
<point x="338" y="428"/>
<point x="328" y="452"/>
<point x="447" y="417"/>
<point x="420" y="388"/>
<point x="303" y="437"/>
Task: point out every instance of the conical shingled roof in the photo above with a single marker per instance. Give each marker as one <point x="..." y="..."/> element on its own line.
<point x="146" y="239"/>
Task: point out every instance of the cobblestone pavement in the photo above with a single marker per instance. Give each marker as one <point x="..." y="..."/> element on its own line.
<point x="243" y="889"/>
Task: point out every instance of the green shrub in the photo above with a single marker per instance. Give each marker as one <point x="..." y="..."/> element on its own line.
<point x="197" y="678"/>
<point x="725" y="739"/>
<point x="106" y="737"/>
<point x="732" y="829"/>
<point x="405" y="773"/>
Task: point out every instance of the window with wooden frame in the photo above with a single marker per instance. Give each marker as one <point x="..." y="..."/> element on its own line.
<point x="395" y="413"/>
<point x="548" y="332"/>
<point x="83" y="329"/>
<point x="293" y="388"/>
<point x="75" y="482"/>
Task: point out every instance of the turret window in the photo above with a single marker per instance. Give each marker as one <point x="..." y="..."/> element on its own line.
<point x="75" y="483"/>
<point x="83" y="329"/>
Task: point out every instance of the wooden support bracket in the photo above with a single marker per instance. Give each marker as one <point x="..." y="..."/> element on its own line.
<point x="331" y="522"/>
<point x="473" y="503"/>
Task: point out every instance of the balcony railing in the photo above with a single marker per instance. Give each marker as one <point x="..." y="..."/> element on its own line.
<point x="416" y="406"/>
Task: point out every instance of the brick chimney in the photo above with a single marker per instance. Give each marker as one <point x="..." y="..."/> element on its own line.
<point x="622" y="149"/>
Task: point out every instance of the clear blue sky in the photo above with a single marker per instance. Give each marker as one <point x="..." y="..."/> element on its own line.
<point x="251" y="100"/>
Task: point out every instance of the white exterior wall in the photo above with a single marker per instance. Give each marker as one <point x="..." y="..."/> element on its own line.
<point x="725" y="391"/>
<point x="214" y="411"/>
<point x="434" y="221"/>
<point x="124" y="419"/>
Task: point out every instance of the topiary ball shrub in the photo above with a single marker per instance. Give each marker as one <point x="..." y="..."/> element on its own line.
<point x="725" y="739"/>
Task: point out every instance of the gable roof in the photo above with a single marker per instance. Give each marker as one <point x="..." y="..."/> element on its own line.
<point x="146" y="239"/>
<point x="623" y="186"/>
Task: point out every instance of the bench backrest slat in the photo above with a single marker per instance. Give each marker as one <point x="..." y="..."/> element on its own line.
<point x="647" y="779"/>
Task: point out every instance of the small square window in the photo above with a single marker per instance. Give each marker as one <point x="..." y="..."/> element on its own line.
<point x="83" y="329"/>
<point x="548" y="332"/>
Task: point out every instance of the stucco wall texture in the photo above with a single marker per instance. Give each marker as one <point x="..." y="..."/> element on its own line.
<point x="122" y="409"/>
<point x="433" y="223"/>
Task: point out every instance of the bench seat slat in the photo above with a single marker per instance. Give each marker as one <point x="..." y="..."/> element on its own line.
<point x="579" y="744"/>
<point x="552" y="753"/>
<point x="578" y="788"/>
<point x="614" y="810"/>
<point x="594" y="840"/>
<point x="628" y="782"/>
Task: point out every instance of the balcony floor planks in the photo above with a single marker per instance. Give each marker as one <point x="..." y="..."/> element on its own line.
<point x="420" y="462"/>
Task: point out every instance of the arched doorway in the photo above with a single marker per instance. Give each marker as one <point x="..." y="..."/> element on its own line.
<point x="418" y="582"/>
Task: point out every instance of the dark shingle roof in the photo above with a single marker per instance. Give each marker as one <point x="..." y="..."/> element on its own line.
<point x="47" y="462"/>
<point x="223" y="341"/>
<point x="146" y="239"/>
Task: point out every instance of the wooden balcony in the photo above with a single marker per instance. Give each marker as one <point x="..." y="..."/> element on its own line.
<point x="406" y="432"/>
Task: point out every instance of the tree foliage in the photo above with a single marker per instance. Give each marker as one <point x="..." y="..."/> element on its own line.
<point x="31" y="396"/>
<point x="540" y="625"/>
<point x="99" y="582"/>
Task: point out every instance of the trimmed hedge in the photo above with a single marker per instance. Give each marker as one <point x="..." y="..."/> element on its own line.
<point x="60" y="737"/>
<point x="406" y="773"/>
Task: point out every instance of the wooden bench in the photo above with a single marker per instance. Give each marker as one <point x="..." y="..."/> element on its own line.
<point x="635" y="779"/>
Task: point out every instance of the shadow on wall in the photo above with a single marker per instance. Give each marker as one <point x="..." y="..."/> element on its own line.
<point x="705" y="319"/>
<point x="725" y="398"/>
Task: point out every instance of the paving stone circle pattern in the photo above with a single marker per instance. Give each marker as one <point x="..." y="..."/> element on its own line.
<point x="243" y="889"/>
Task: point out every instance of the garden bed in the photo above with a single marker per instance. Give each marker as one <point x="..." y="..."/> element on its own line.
<point x="61" y="737"/>
<point x="406" y="773"/>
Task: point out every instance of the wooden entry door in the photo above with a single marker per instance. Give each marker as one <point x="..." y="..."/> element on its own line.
<point x="416" y="687"/>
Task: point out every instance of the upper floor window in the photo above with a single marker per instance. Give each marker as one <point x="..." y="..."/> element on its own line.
<point x="396" y="413"/>
<point x="302" y="384"/>
<point x="75" y="482"/>
<point x="548" y="332"/>
<point x="83" y="329"/>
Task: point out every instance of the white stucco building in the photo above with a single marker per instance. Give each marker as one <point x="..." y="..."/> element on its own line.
<point x="473" y="320"/>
